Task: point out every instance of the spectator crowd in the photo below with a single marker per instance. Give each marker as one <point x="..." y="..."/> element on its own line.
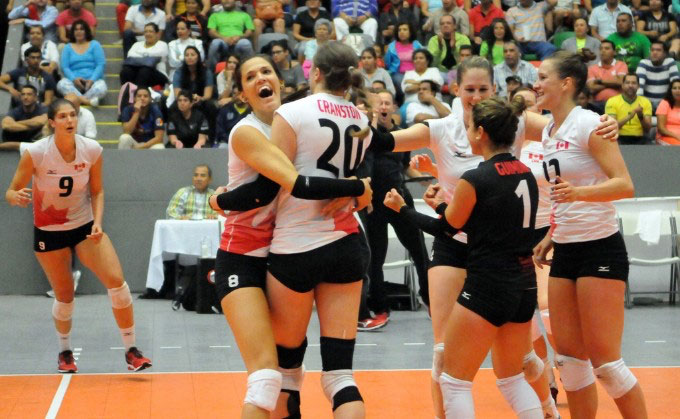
<point x="180" y="57"/>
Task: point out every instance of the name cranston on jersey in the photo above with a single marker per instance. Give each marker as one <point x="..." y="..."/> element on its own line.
<point x="342" y="111"/>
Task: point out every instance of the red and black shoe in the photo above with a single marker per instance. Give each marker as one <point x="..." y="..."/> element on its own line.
<point x="135" y="360"/>
<point x="66" y="364"/>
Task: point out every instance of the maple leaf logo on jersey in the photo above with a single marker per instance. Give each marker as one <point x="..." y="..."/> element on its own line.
<point x="536" y="157"/>
<point x="79" y="167"/>
<point x="49" y="215"/>
<point x="562" y="145"/>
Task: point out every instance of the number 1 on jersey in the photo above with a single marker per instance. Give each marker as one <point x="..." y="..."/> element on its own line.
<point x="522" y="191"/>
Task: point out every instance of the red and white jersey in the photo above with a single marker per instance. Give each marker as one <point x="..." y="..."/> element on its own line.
<point x="532" y="157"/>
<point x="567" y="155"/>
<point x="247" y="232"/>
<point x="322" y="123"/>
<point x="61" y="190"/>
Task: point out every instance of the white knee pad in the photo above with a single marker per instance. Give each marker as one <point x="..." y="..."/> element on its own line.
<point x="535" y="329"/>
<point x="545" y="318"/>
<point x="264" y="387"/>
<point x="437" y="361"/>
<point x="334" y="381"/>
<point x="575" y="373"/>
<point x="120" y="297"/>
<point x="616" y="378"/>
<point x="532" y="366"/>
<point x="520" y="396"/>
<point x="457" y="397"/>
<point x="62" y="311"/>
<point x="292" y="378"/>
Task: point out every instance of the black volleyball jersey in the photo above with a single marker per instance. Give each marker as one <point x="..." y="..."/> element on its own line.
<point x="501" y="226"/>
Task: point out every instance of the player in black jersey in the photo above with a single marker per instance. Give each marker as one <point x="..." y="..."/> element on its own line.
<point x="495" y="204"/>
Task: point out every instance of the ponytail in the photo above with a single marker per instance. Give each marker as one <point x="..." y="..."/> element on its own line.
<point x="499" y="119"/>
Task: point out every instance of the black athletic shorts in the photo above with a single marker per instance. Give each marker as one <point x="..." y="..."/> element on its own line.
<point x="449" y="252"/>
<point x="46" y="241"/>
<point x="340" y="262"/>
<point x="539" y="234"/>
<point x="234" y="271"/>
<point x="498" y="302"/>
<point x="603" y="258"/>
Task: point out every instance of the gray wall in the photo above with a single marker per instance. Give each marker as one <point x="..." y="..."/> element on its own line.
<point x="139" y="184"/>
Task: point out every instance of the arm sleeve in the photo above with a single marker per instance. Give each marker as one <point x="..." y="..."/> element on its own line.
<point x="256" y="194"/>
<point x="317" y="188"/>
<point x="437" y="227"/>
<point x="381" y="141"/>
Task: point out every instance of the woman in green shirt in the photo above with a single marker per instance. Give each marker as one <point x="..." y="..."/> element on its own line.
<point x="494" y="36"/>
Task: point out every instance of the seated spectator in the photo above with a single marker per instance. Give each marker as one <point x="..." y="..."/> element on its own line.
<point x="228" y="117"/>
<point x="379" y="53"/>
<point x="512" y="85"/>
<point x="268" y="13"/>
<point x="292" y="74"/>
<point x="529" y="96"/>
<point x="482" y="16"/>
<point x="62" y="5"/>
<point x="348" y="14"/>
<point x="187" y="126"/>
<point x="177" y="46"/>
<point x="87" y="126"/>
<point x="658" y="25"/>
<point x="121" y="11"/>
<point x="390" y="20"/>
<point x="560" y="14"/>
<point x="83" y="62"/>
<point x="372" y="73"/>
<point x="585" y="100"/>
<point x="322" y="32"/>
<point x="606" y="77"/>
<point x="136" y="19"/>
<point x="427" y="106"/>
<point x="229" y="30"/>
<point x="175" y="10"/>
<point x="582" y="43"/>
<point x="225" y="80"/>
<point x="427" y="7"/>
<point x="143" y="126"/>
<point x="422" y="70"/>
<point x="633" y="112"/>
<point x="33" y="74"/>
<point x="513" y="65"/>
<point x="445" y="45"/>
<point x="630" y="46"/>
<point x="191" y="202"/>
<point x="528" y="26"/>
<point x="73" y="13"/>
<point x="494" y="41"/>
<point x="399" y="55"/>
<point x="602" y="20"/>
<point x="464" y="53"/>
<point x="305" y="20"/>
<point x="195" y="17"/>
<point x="25" y="122"/>
<point x="668" y="116"/>
<point x="146" y="62"/>
<point x="447" y="8"/>
<point x="656" y="74"/>
<point x="48" y="49"/>
<point x="36" y="13"/>
<point x="199" y="82"/>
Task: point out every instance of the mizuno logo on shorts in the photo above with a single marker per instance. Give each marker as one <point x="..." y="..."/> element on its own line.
<point x="465" y="295"/>
<point x="603" y="269"/>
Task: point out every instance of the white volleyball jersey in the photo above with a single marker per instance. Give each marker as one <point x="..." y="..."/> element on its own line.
<point x="61" y="190"/>
<point x="322" y="123"/>
<point x="532" y="157"/>
<point x="247" y="232"/>
<point x="453" y="152"/>
<point x="567" y="155"/>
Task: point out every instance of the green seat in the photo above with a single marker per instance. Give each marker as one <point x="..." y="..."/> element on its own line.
<point x="560" y="37"/>
<point x="530" y="57"/>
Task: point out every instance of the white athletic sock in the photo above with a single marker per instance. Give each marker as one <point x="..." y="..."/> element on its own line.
<point x="128" y="336"/>
<point x="457" y="395"/>
<point x="64" y="341"/>
<point x="549" y="408"/>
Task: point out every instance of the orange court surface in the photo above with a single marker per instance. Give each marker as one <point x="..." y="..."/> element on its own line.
<point x="389" y="394"/>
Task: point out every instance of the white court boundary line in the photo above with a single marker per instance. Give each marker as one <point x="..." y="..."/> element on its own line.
<point x="138" y="374"/>
<point x="58" y="397"/>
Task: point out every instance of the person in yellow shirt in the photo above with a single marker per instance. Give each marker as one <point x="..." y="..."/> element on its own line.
<point x="633" y="112"/>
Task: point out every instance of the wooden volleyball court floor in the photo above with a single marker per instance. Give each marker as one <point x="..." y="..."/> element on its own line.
<point x="392" y="394"/>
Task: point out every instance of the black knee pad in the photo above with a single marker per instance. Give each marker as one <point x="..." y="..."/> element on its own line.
<point x="290" y="358"/>
<point x="336" y="354"/>
<point x="346" y="395"/>
<point x="293" y="405"/>
<point x="337" y="378"/>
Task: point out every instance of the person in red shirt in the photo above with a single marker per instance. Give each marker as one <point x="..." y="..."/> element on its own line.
<point x="74" y="12"/>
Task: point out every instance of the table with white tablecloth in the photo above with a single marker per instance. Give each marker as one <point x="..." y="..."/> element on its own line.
<point x="180" y="237"/>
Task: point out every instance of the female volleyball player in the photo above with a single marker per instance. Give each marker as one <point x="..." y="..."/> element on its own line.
<point x="68" y="208"/>
<point x="241" y="263"/>
<point x="496" y="203"/>
<point x="590" y="264"/>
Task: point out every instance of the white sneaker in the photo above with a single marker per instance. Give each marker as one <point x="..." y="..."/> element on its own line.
<point x="76" y="279"/>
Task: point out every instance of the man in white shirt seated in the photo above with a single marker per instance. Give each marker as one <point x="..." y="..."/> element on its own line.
<point x="427" y="106"/>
